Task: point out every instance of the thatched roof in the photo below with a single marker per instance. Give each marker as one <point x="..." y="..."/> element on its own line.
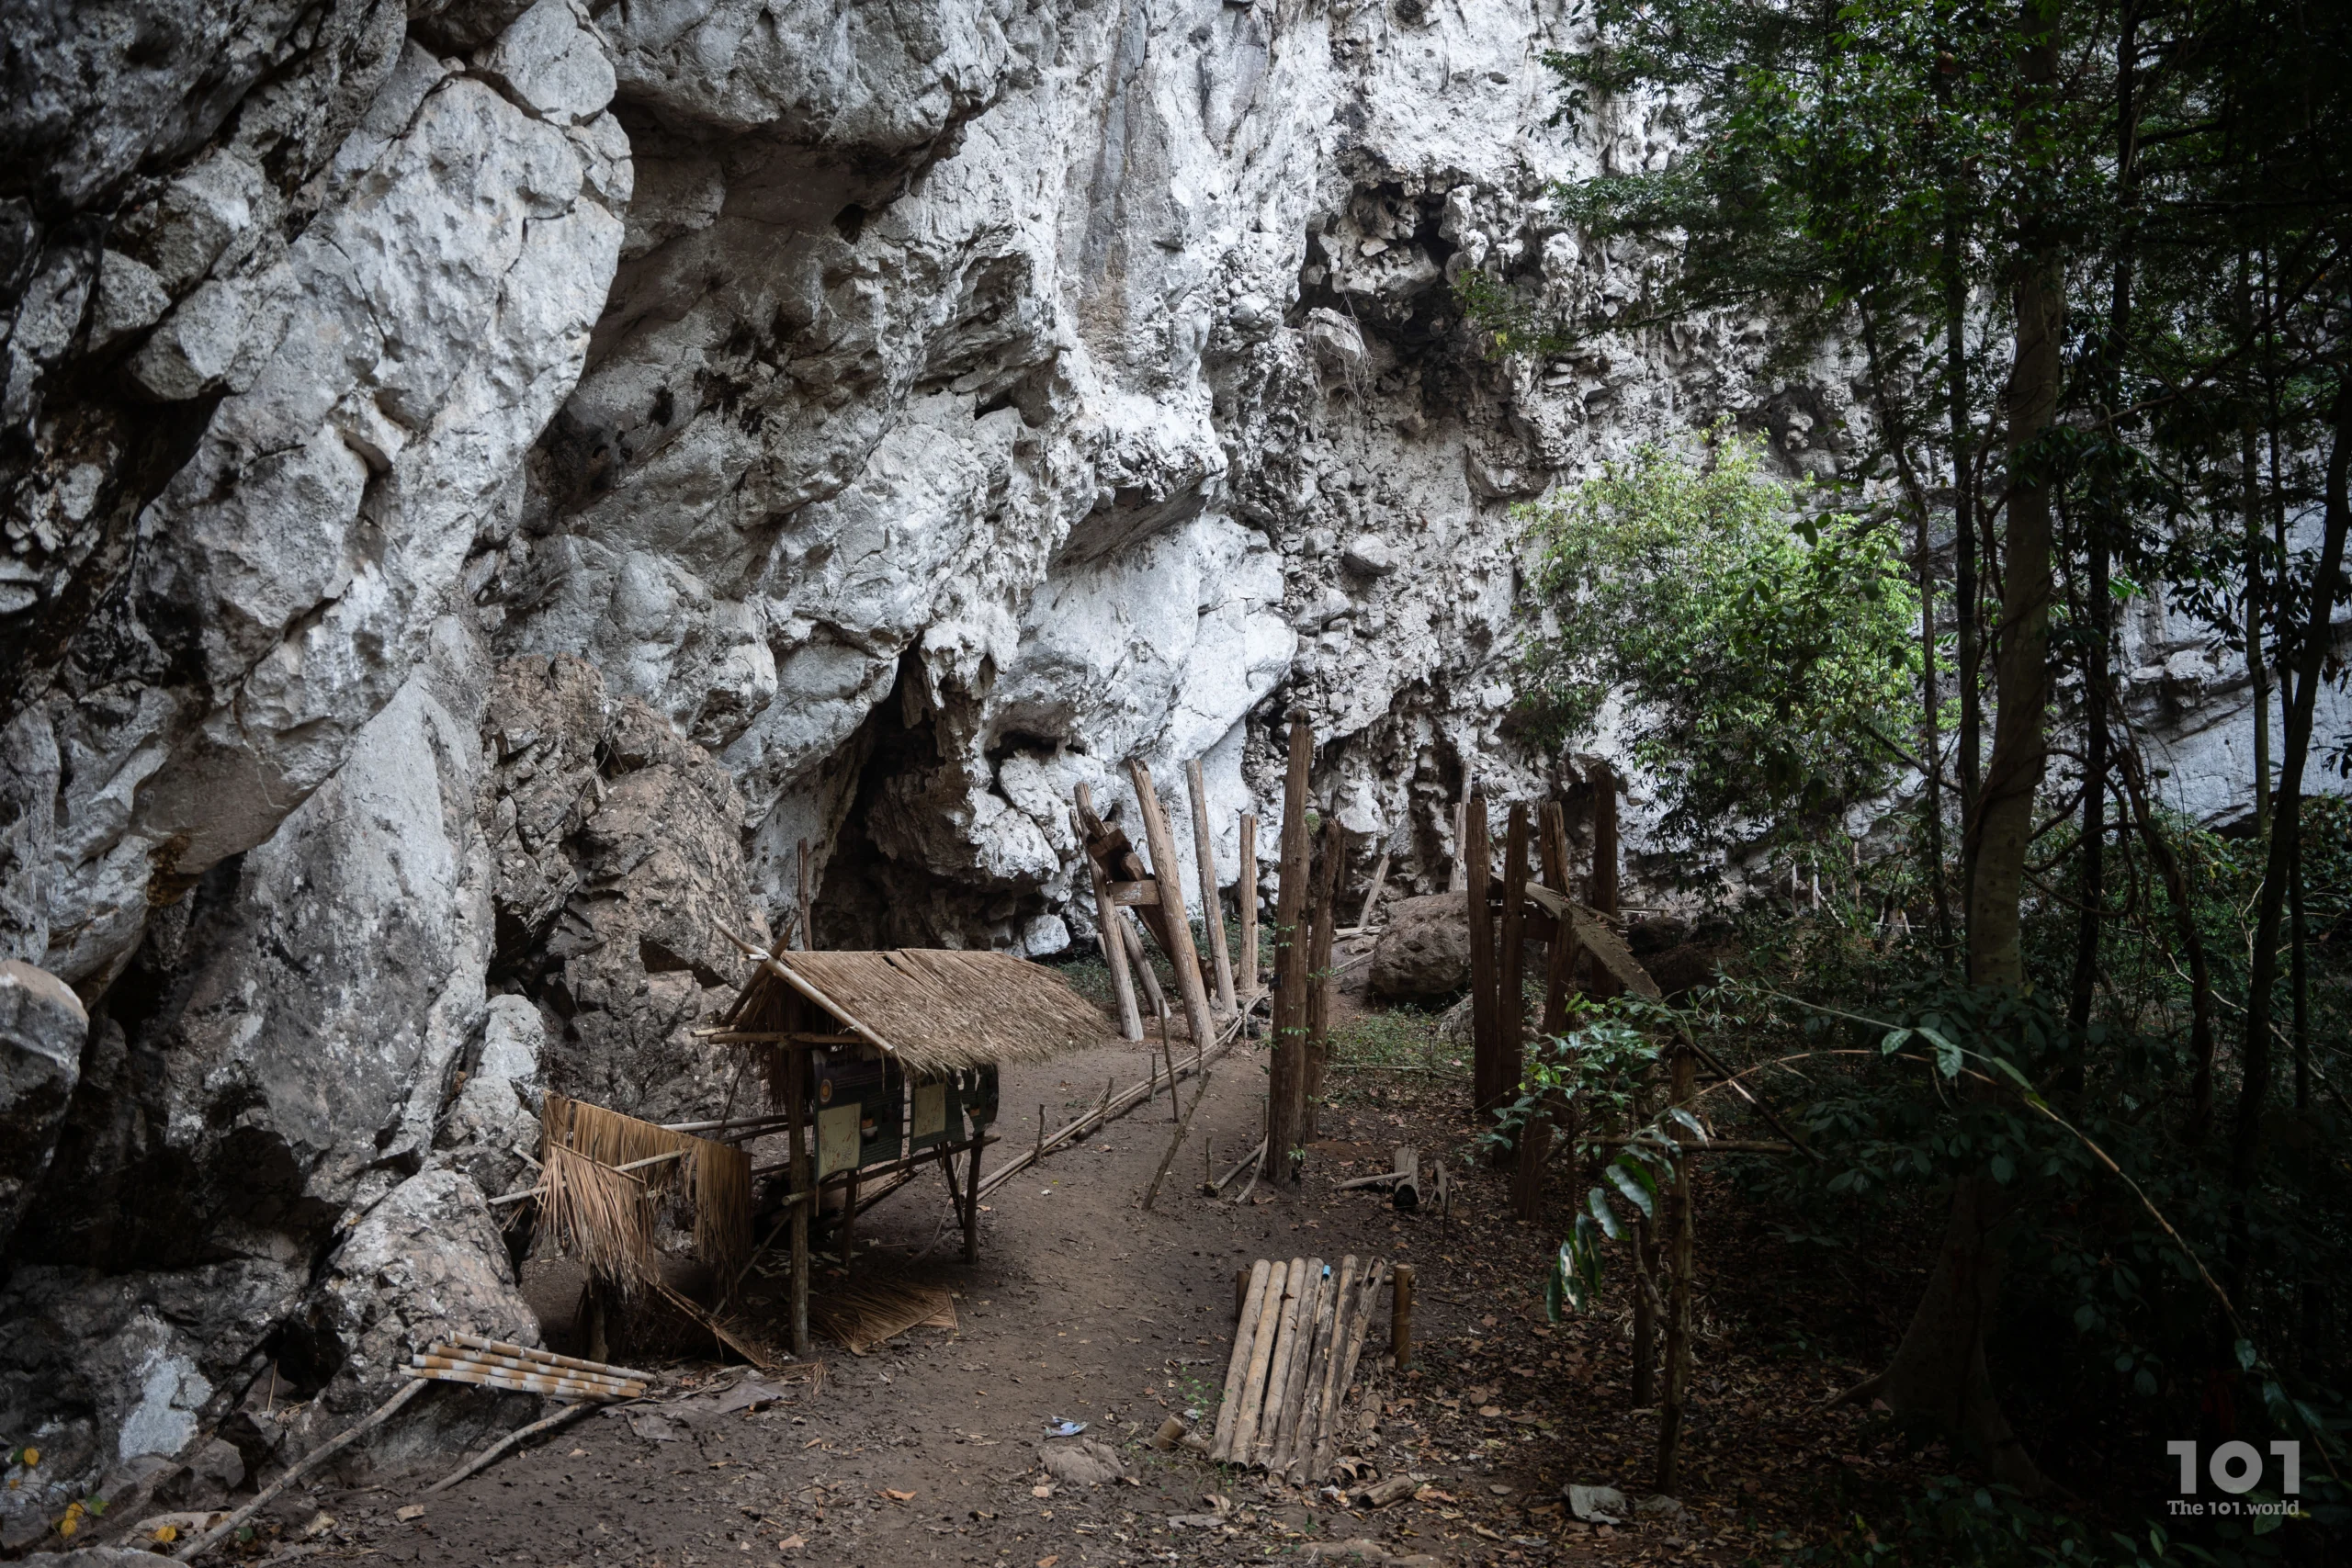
<point x="937" y="1009"/>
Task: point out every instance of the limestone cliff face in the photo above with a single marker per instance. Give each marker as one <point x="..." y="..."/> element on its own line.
<point x="442" y="443"/>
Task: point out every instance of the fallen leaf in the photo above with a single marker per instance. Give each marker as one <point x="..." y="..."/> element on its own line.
<point x="897" y="1496"/>
<point x="167" y="1534"/>
<point x="1041" y="1490"/>
<point x="790" y="1544"/>
<point x="1483" y="1531"/>
<point x="812" y="1442"/>
<point x="320" y="1522"/>
<point x="1049" y="1562"/>
<point x="414" y="1511"/>
<point x="1490" y="1410"/>
<point x="578" y="1453"/>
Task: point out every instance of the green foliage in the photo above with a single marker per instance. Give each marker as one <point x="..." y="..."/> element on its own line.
<point x="1758" y="649"/>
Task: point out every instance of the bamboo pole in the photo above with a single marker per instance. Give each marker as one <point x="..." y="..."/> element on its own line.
<point x="1114" y="947"/>
<point x="1320" y="1397"/>
<point x="557" y="1384"/>
<point x="1286" y="1075"/>
<point x="1269" y="1412"/>
<point x="1346" y="1376"/>
<point x="1245" y="1331"/>
<point x="1182" y="956"/>
<point x="1245" y="897"/>
<point x="1262" y="1352"/>
<point x="1212" y="907"/>
<point x="1300" y="1361"/>
<point x="1299" y="1419"/>
<point x="548" y="1357"/>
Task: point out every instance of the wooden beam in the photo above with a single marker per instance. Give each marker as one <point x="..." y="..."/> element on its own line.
<point x="1181" y="952"/>
<point x="1134" y="895"/>
<point x="1107" y="925"/>
<point x="1212" y="907"/>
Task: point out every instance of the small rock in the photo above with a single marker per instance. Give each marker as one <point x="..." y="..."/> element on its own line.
<point x="1596" y="1505"/>
<point x="1368" y="555"/>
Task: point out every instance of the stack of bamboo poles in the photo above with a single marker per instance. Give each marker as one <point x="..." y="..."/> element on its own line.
<point x="494" y="1363"/>
<point x="1302" y="1328"/>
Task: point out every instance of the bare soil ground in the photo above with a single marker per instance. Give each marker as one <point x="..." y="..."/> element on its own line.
<point x="1085" y="1307"/>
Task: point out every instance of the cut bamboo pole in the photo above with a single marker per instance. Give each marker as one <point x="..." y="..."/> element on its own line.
<point x="1261" y="1353"/>
<point x="548" y="1357"/>
<point x="1400" y="1319"/>
<point x="1319" y="1395"/>
<point x="1269" y="1412"/>
<point x="1245" y="1332"/>
<point x="1212" y="907"/>
<point x="552" y="1383"/>
<point x="1245" y="897"/>
<point x="1324" y="1446"/>
<point x="1182" y="956"/>
<point x="1315" y="1336"/>
<point x="1281" y="1401"/>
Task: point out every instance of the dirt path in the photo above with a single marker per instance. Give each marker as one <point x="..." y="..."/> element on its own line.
<point x="1084" y="1307"/>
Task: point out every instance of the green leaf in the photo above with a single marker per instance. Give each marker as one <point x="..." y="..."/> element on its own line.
<point x="1604" y="1216"/>
<point x="1948" y="1055"/>
<point x="1690" y="1122"/>
<point x="2004" y="1168"/>
<point x="1636" y="1183"/>
<point x="2246" y="1356"/>
<point x="1893" y="1042"/>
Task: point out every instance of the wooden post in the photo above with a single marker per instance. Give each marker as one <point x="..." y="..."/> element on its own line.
<point x="972" y="1199"/>
<point x="804" y="1196"/>
<point x="1182" y="956"/>
<point x="1400" y="1317"/>
<point x="1371" y="892"/>
<point x="1559" y="963"/>
<point x="1645" y="1287"/>
<point x="1685" y="1079"/>
<point x="1244" y="897"/>
<point x="1484" y="1030"/>
<point x="1457" y="875"/>
<point x="807" y="922"/>
<point x="1404" y="1188"/>
<point x="1140" y="956"/>
<point x="1510" y="1020"/>
<point x="842" y="1237"/>
<point x="1321" y="983"/>
<point x="1107" y="925"/>
<point x="1287" y="1073"/>
<point x="1602" y="890"/>
<point x="1212" y="905"/>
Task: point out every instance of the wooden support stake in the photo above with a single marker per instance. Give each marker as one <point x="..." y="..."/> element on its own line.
<point x="804" y="1190"/>
<point x="1405" y="1195"/>
<point x="1245" y="1340"/>
<point x="1244" y="897"/>
<point x="1151" y="1194"/>
<point x="972" y="1202"/>
<point x="1287" y="1073"/>
<point x="1107" y="922"/>
<point x="1182" y="954"/>
<point x="1510" y="1009"/>
<point x="1212" y="905"/>
<point x="1485" y="1048"/>
<point x="1140" y="956"/>
<point x="1322" y="984"/>
<point x="1400" y="1319"/>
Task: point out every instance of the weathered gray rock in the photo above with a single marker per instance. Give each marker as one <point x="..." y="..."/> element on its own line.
<point x="1425" y="950"/>
<point x="42" y="1027"/>
<point x="1080" y="1461"/>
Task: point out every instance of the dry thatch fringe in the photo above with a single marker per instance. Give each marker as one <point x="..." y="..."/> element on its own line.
<point x="586" y="1202"/>
<point x="601" y="1216"/>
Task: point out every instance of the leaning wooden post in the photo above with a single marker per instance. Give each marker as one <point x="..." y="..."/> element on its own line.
<point x="804" y="1197"/>
<point x="1400" y="1317"/>
<point x="1212" y="905"/>
<point x="1323" y="921"/>
<point x="1114" y="948"/>
<point x="1286" y="1080"/>
<point x="1684" y="1082"/>
<point x="972" y="1198"/>
<point x="1244" y="897"/>
<point x="1182" y="954"/>
<point x="1485" y="1032"/>
<point x="1511" y="1010"/>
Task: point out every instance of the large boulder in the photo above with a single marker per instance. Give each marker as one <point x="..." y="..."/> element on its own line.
<point x="1425" y="951"/>
<point x="42" y="1030"/>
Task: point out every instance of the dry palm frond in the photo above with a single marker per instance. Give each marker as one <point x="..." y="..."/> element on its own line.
<point x="601" y="1216"/>
<point x="863" y="1316"/>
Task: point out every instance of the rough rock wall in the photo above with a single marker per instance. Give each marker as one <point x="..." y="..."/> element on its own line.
<point x="442" y="444"/>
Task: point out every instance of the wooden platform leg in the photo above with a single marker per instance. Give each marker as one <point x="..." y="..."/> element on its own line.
<point x="796" y="1082"/>
<point x="972" y="1202"/>
<point x="848" y="1218"/>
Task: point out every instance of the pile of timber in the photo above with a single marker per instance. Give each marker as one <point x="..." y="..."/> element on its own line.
<point x="494" y="1363"/>
<point x="1303" y="1325"/>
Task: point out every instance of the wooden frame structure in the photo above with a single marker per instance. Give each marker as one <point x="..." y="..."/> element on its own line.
<point x="883" y="1062"/>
